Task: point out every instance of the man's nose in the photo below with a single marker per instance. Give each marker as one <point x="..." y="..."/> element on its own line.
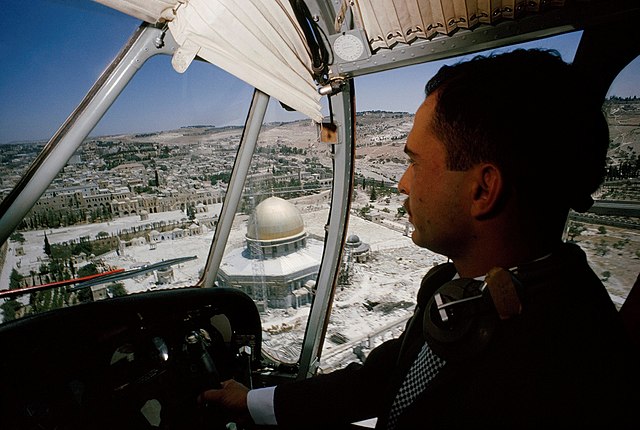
<point x="403" y="187"/>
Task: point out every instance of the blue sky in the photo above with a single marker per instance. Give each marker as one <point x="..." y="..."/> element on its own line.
<point x="52" y="51"/>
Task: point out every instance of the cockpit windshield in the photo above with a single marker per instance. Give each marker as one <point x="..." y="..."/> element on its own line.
<point x="137" y="204"/>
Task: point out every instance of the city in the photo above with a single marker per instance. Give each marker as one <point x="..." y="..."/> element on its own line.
<point x="131" y="200"/>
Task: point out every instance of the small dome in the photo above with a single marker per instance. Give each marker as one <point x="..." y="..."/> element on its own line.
<point x="356" y="246"/>
<point x="275" y="218"/>
<point x="353" y="239"/>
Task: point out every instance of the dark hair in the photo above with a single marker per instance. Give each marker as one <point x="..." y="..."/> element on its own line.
<point x="530" y="113"/>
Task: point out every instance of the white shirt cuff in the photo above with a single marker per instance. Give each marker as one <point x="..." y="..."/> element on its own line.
<point x="260" y="404"/>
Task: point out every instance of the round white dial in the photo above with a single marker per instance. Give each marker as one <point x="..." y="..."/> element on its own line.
<point x="348" y="47"/>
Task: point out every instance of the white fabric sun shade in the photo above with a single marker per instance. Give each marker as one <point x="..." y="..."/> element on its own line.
<point x="146" y="10"/>
<point x="258" y="41"/>
<point x="388" y="22"/>
<point x="391" y="22"/>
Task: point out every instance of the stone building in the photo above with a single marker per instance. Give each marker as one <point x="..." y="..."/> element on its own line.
<point x="279" y="263"/>
<point x="356" y="250"/>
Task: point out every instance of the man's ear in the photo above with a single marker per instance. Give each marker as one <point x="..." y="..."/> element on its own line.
<point x="488" y="190"/>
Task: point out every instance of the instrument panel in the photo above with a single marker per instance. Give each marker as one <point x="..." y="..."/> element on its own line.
<point x="135" y="362"/>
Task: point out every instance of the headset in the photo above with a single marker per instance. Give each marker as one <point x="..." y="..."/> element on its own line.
<point x="461" y="315"/>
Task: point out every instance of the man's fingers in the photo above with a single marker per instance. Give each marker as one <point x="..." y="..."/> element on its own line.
<point x="211" y="395"/>
<point x="214" y="395"/>
<point x="226" y="383"/>
<point x="232" y="397"/>
<point x="232" y="394"/>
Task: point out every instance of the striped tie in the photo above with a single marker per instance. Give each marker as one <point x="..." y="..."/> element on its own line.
<point x="424" y="369"/>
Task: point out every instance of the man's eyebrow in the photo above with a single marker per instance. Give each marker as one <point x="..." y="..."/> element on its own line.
<point x="409" y="152"/>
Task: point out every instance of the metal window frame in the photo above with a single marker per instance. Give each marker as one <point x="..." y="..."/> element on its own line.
<point x="146" y="42"/>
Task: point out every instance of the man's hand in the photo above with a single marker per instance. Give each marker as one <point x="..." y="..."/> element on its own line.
<point x="232" y="398"/>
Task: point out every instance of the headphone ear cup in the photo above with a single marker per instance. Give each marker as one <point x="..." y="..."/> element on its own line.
<point x="463" y="328"/>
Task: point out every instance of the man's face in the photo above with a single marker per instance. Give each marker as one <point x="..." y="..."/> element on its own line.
<point x="436" y="201"/>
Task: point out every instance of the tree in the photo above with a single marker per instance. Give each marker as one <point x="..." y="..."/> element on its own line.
<point x="17" y="237"/>
<point x="47" y="246"/>
<point x="15" y="280"/>
<point x="72" y="268"/>
<point x="117" y="289"/>
<point x="191" y="212"/>
<point x="601" y="248"/>
<point x="575" y="229"/>
<point x="374" y="195"/>
<point x="106" y="213"/>
<point x="102" y="235"/>
<point x="9" y="309"/>
<point x="42" y="301"/>
<point x="85" y="295"/>
<point x="95" y="214"/>
<point x="43" y="270"/>
<point x="71" y="217"/>
<point x="87" y="270"/>
<point x="364" y="211"/>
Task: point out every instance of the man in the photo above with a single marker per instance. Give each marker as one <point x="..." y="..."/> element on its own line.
<point x="501" y="149"/>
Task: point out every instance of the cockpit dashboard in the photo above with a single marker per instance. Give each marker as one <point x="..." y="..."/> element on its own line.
<point x="138" y="361"/>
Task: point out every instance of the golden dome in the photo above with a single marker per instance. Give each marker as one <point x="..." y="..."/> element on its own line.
<point x="273" y="219"/>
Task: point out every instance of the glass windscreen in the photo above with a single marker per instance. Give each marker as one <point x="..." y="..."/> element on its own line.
<point x="382" y="268"/>
<point x="276" y="244"/>
<point x="610" y="232"/>
<point x="136" y="206"/>
<point x="141" y="198"/>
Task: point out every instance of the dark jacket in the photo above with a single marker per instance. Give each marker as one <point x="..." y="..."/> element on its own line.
<point x="564" y="361"/>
